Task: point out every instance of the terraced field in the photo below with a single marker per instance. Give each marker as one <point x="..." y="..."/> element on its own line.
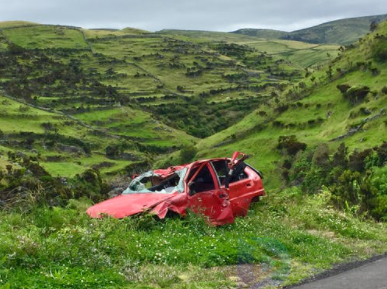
<point x="83" y="110"/>
<point x="316" y="111"/>
<point x="298" y="53"/>
<point x="153" y="92"/>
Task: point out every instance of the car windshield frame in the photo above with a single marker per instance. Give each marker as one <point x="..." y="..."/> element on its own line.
<point x="137" y="185"/>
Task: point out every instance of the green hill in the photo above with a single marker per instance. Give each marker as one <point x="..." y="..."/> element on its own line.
<point x="83" y="110"/>
<point x="299" y="53"/>
<point x="11" y="24"/>
<point x="344" y="102"/>
<point x="153" y="93"/>
<point x="262" y="33"/>
<point x="343" y="31"/>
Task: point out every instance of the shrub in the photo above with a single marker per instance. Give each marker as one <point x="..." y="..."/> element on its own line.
<point x="343" y="87"/>
<point x="281" y="108"/>
<point x="340" y="156"/>
<point x="357" y="160"/>
<point x="290" y="144"/>
<point x="346" y="189"/>
<point x="321" y="156"/>
<point x="379" y="49"/>
<point x="188" y="153"/>
<point x="382" y="154"/>
<point x="356" y="94"/>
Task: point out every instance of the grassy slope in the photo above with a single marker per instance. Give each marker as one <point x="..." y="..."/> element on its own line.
<point x="256" y="134"/>
<point x="261" y="33"/>
<point x="147" y="69"/>
<point x="46" y="37"/>
<point x="58" y="247"/>
<point x="128" y="122"/>
<point x="8" y="24"/>
<point x="299" y="53"/>
<point x="13" y="122"/>
<point x="101" y="33"/>
<point x="343" y="31"/>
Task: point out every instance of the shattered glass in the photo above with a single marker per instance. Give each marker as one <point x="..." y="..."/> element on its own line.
<point x="151" y="182"/>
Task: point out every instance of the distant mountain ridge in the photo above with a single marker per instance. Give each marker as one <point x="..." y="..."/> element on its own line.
<point x="343" y="31"/>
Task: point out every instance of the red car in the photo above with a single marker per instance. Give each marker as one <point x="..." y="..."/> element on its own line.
<point x="221" y="189"/>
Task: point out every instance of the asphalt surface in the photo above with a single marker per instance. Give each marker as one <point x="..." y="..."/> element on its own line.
<point x="368" y="275"/>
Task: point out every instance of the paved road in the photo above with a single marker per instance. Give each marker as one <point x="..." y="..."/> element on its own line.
<point x="369" y="276"/>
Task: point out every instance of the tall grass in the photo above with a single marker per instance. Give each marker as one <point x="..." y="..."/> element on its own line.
<point x="63" y="248"/>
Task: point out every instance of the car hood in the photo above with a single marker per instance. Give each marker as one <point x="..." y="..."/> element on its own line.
<point x="127" y="205"/>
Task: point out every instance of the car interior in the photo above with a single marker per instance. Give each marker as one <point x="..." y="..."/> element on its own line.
<point x="221" y="170"/>
<point x="166" y="184"/>
<point x="202" y="182"/>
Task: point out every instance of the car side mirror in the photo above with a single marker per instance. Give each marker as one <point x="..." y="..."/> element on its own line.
<point x="191" y="186"/>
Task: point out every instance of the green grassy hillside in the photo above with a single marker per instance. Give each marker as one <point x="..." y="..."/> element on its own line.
<point x="316" y="111"/>
<point x="298" y="53"/>
<point x="291" y="235"/>
<point x="66" y="146"/>
<point x="155" y="92"/>
<point x="343" y="31"/>
<point x="261" y="33"/>
<point x="10" y="24"/>
<point x="82" y="110"/>
<point x="43" y="36"/>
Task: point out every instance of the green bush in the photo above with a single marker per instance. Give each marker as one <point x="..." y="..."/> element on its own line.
<point x="290" y="144"/>
<point x="343" y="87"/>
<point x="188" y="153"/>
<point x="379" y="49"/>
<point x="356" y="94"/>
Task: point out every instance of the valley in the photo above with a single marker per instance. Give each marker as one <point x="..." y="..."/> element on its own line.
<point x="82" y="110"/>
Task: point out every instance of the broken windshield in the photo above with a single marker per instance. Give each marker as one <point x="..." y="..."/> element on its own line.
<point x="151" y="182"/>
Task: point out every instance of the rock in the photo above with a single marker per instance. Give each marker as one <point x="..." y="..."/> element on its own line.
<point x="71" y="149"/>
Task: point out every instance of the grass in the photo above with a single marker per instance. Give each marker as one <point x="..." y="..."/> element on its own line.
<point x="342" y="32"/>
<point x="102" y="33"/>
<point x="46" y="37"/>
<point x="257" y="135"/>
<point x="64" y="169"/>
<point x="17" y="118"/>
<point x="8" y="24"/>
<point x="299" y="53"/>
<point x="63" y="246"/>
<point x="14" y="122"/>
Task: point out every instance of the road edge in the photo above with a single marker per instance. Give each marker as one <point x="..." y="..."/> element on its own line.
<point x="338" y="269"/>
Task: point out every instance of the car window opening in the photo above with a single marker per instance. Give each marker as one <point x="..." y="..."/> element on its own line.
<point x="202" y="182"/>
<point x="221" y="170"/>
<point x="151" y="182"/>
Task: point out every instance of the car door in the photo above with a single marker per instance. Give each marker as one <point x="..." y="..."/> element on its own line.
<point x="241" y="186"/>
<point x="205" y="196"/>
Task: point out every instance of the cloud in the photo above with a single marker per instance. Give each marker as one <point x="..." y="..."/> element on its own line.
<point x="219" y="15"/>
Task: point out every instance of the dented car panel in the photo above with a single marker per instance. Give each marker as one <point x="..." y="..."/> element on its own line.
<point x="221" y="189"/>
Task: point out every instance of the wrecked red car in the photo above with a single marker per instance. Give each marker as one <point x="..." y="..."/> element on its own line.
<point x="220" y="188"/>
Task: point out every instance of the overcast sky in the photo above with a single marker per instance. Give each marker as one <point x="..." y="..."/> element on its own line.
<point x="217" y="15"/>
